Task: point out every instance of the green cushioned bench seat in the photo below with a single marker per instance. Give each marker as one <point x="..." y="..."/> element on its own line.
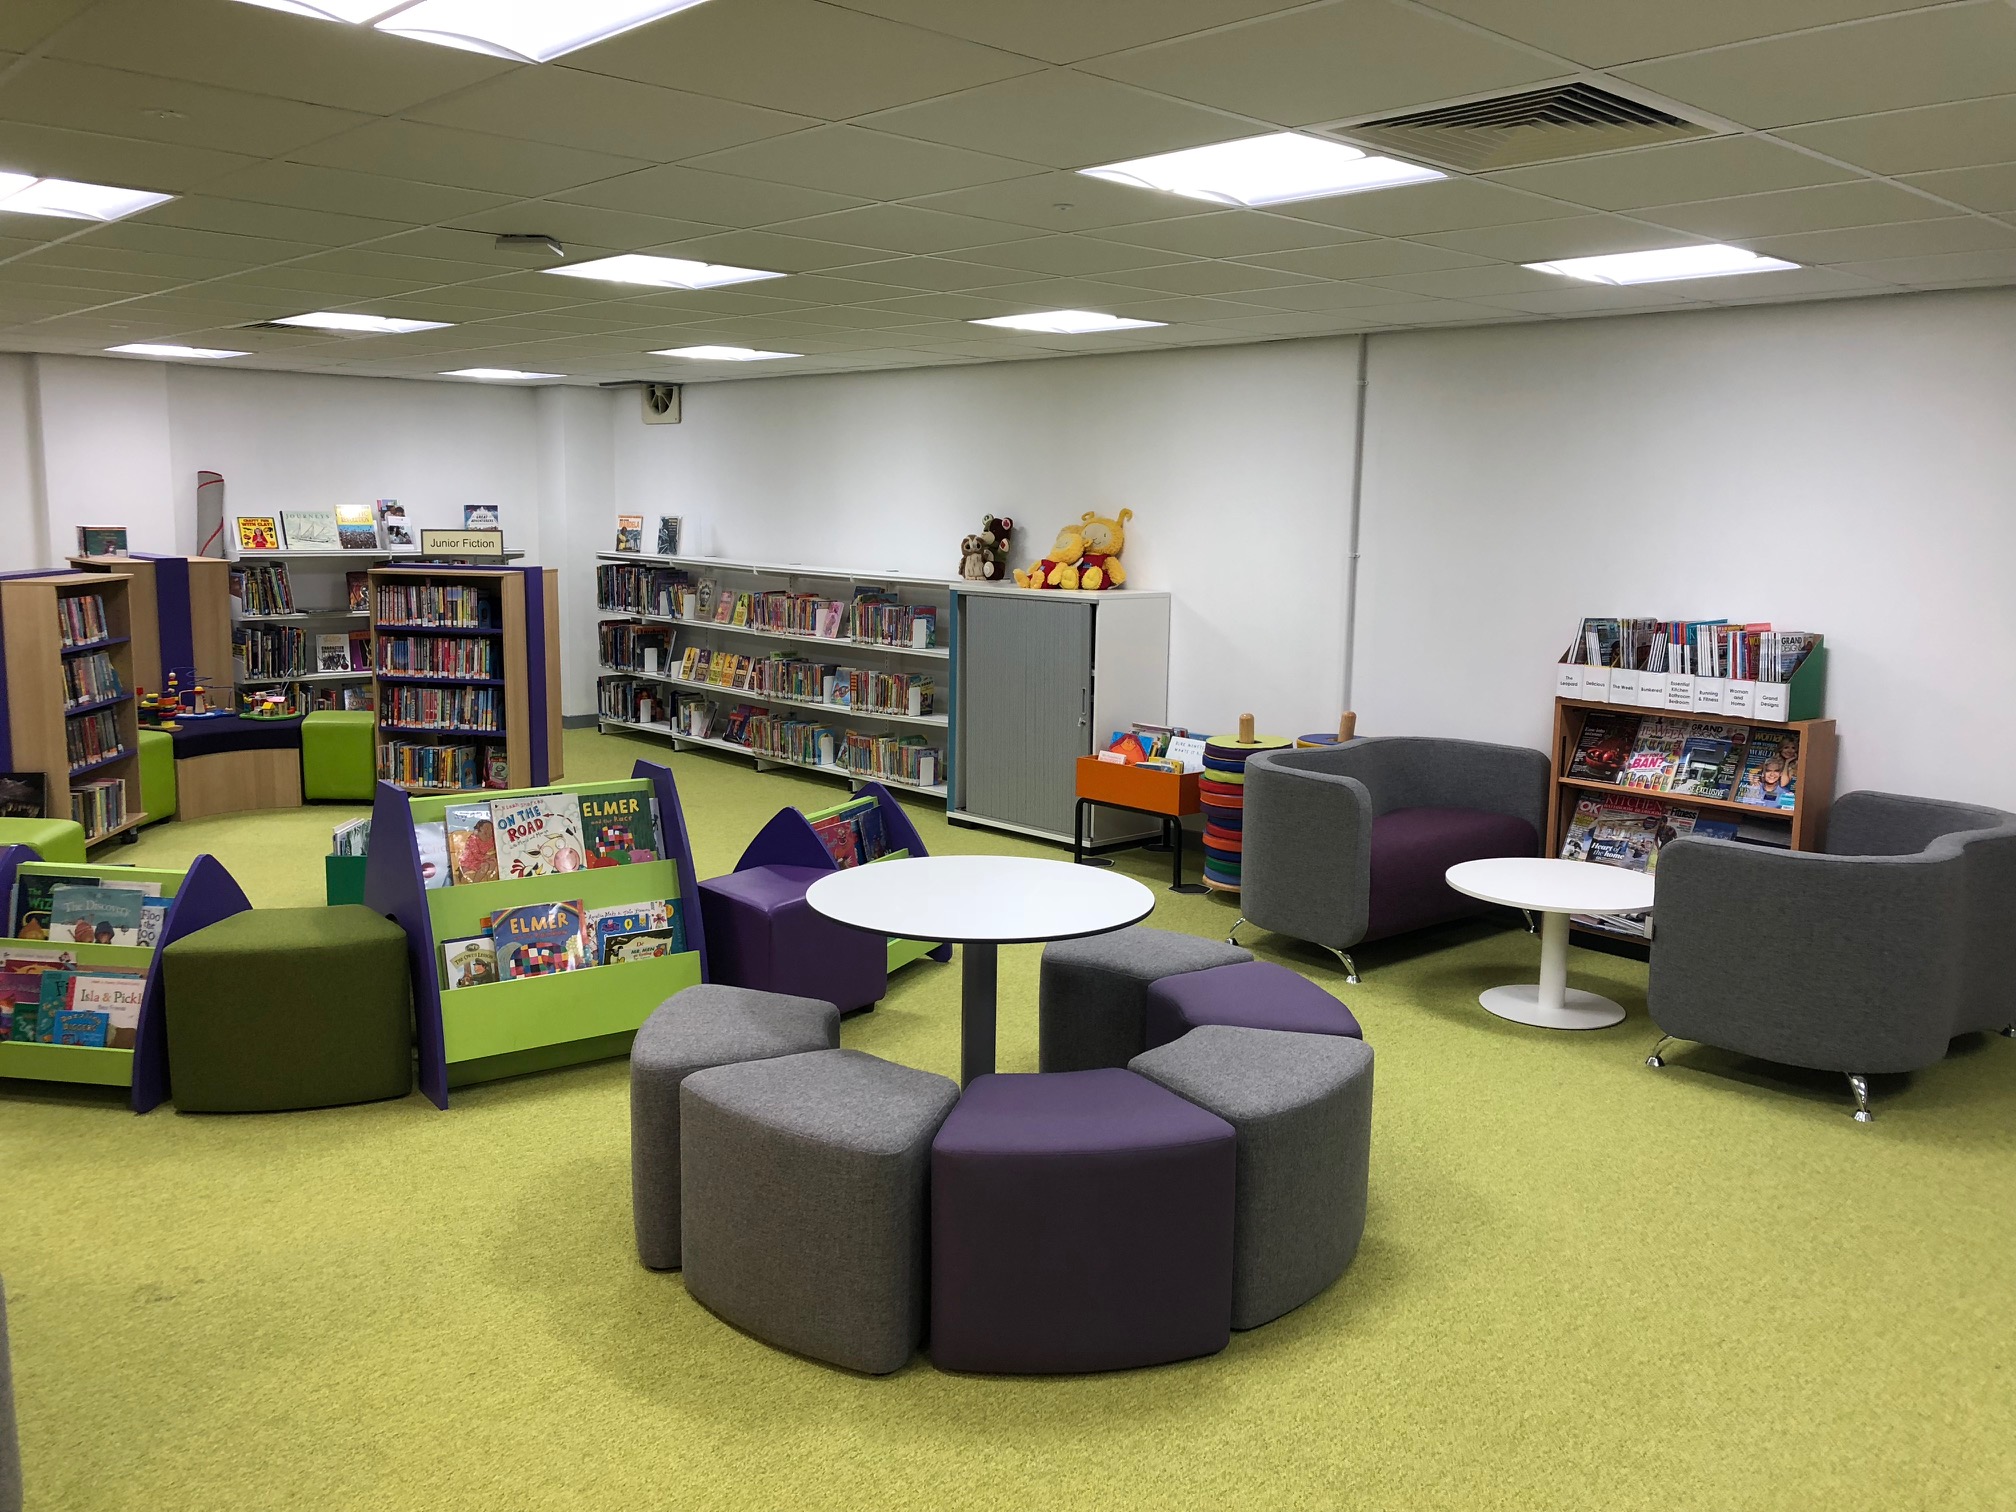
<point x="281" y="1008"/>
<point x="51" y="839"/>
<point x="339" y="757"/>
<point x="157" y="775"/>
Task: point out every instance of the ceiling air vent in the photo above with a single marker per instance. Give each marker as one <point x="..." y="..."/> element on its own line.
<point x="1538" y="126"/>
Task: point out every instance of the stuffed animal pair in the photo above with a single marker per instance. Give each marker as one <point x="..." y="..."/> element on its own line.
<point x="1084" y="555"/>
<point x="984" y="557"/>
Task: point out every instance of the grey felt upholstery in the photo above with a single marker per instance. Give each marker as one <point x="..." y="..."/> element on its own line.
<point x="10" y="1442"/>
<point x="1093" y="994"/>
<point x="1307" y="857"/>
<point x="703" y="1026"/>
<point x="1302" y="1108"/>
<point x="1867" y="957"/>
<point x="803" y="1189"/>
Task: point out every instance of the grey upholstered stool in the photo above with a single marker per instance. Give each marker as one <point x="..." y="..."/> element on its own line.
<point x="700" y="1027"/>
<point x="1302" y="1106"/>
<point x="803" y="1189"/>
<point x="1092" y="1001"/>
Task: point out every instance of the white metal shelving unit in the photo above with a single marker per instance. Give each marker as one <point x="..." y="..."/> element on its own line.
<point x="840" y="583"/>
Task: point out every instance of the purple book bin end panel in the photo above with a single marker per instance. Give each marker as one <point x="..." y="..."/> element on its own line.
<point x="393" y="887"/>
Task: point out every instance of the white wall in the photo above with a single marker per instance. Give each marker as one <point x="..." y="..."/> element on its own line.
<point x="1843" y="467"/>
<point x="1236" y="462"/>
<point x="21" y="523"/>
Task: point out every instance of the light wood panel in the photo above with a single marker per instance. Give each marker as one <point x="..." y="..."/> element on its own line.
<point x="232" y="782"/>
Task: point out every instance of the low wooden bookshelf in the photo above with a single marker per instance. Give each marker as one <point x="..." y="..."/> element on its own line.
<point x="1801" y="827"/>
<point x="39" y="711"/>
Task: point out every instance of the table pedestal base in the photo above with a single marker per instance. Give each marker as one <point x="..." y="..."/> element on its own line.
<point x="1577" y="1010"/>
<point x="978" y="968"/>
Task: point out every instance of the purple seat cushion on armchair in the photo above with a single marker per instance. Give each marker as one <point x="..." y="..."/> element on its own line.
<point x="763" y="935"/>
<point x="1253" y="995"/>
<point x="1412" y="850"/>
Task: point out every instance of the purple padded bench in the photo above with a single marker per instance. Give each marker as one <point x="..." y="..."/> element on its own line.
<point x="763" y="935"/>
<point x="1080" y="1221"/>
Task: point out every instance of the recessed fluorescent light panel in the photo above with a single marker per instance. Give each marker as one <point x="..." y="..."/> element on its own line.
<point x="168" y="349"/>
<point x="1067" y="322"/>
<point x="661" y="272"/>
<point x="363" y="325"/>
<point x="499" y="375"/>
<point x="1265" y="170"/>
<point x="724" y="354"/>
<point x="23" y="194"/>
<point x="1663" y="266"/>
<point x="525" y="31"/>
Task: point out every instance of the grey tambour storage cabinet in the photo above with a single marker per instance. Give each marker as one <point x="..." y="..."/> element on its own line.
<point x="1043" y="678"/>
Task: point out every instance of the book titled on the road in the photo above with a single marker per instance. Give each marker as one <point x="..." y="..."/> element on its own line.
<point x="538" y="835"/>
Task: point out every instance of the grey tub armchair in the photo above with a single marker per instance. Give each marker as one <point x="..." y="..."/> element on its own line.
<point x="1867" y="957"/>
<point x="1350" y="843"/>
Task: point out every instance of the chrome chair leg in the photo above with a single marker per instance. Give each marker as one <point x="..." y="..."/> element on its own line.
<point x="1233" y="937"/>
<point x="1350" y="969"/>
<point x="1859" y="1085"/>
<point x="2008" y="1031"/>
<point x="1655" y="1059"/>
<point x="1527" y="915"/>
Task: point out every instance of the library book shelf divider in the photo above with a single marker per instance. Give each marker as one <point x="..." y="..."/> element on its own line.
<point x="198" y="898"/>
<point x="507" y="1028"/>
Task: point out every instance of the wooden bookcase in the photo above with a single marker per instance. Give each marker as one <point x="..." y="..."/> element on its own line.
<point x="37" y="710"/>
<point x="181" y="613"/>
<point x="1802" y="827"/>
<point x="734" y="576"/>
<point x="508" y="1028"/>
<point x="526" y="673"/>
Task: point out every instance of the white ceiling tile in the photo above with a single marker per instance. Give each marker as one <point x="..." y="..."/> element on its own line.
<point x="464" y="159"/>
<point x="1922" y="57"/>
<point x="1439" y="312"/>
<point x="1675" y="173"/>
<point x="1368" y="259"/>
<point x="1336" y="294"/>
<point x="150" y="236"/>
<point x="1965" y="134"/>
<point x="1107" y="295"/>
<point x="1948" y="268"/>
<point x="1301" y="323"/>
<point x="83" y="254"/>
<point x="711" y="198"/>
<point x="1064" y="202"/>
<point x="24" y="23"/>
<point x="765" y="250"/>
<point x="1542" y="241"/>
<point x="373" y="262"/>
<point x="232" y="217"/>
<point x="1466" y="283"/>
<point x="583" y="230"/>
<point x="1787" y="284"/>
<point x="130" y="163"/>
<point x="906" y="228"/>
<point x="1183" y="308"/>
<point x="1604" y="32"/>
<point x="963" y="307"/>
<point x="1925" y="238"/>
<point x="871" y="164"/>
<point x="1867" y="202"/>
<point x="488" y="296"/>
<point x="939" y="274"/>
<point x="1062" y="119"/>
<point x="1444" y="205"/>
<point x="1991" y="188"/>
<point x="1210" y="278"/>
<point x="1328" y="62"/>
<point x="1062" y="31"/>
<point x="366" y="194"/>
<point x="267" y="52"/>
<point x="798" y="56"/>
<point x="1074" y="256"/>
<point x="598" y="113"/>
<point x="29" y="280"/>
<point x="1568" y="298"/>
<point x="1229" y="233"/>
<point x="310" y="285"/>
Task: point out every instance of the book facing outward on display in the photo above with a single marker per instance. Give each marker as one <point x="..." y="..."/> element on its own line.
<point x="23" y="795"/>
<point x="259" y="533"/>
<point x="619" y="829"/>
<point x="538" y="835"/>
<point x="356" y="527"/>
<point x="93" y="915"/>
<point x="332" y="653"/>
<point x="629" y="532"/>
<point x="540" y="939"/>
<point x="481" y="517"/>
<point x="101" y="540"/>
<point x="310" y="530"/>
<point x="470" y="963"/>
<point x="636" y="931"/>
<point x="472" y="843"/>
<point x="431" y="840"/>
<point x="392" y="525"/>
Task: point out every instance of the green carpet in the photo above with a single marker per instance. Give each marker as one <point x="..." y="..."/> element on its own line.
<point x="1584" y="1283"/>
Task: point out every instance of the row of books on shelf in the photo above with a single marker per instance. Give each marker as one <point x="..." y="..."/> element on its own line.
<point x="440" y="656"/>
<point x="424" y="764"/>
<point x="908" y="759"/>
<point x="281" y="651"/>
<point x="1686" y="666"/>
<point x="46" y="998"/>
<point x="90" y="678"/>
<point x="867" y="690"/>
<point x="380" y="526"/>
<point x="853" y="833"/>
<point x="80" y="618"/>
<point x="536" y="835"/>
<point x="544" y="939"/>
<point x="1660" y="755"/>
<point x="99" y="805"/>
<point x="665" y="539"/>
<point x="93" y="737"/>
<point x="79" y="910"/>
<point x="264" y="588"/>
<point x="309" y="698"/>
<point x="872" y="615"/>
<point x="1630" y="829"/>
<point x="427" y="707"/>
<point x="442" y="606"/>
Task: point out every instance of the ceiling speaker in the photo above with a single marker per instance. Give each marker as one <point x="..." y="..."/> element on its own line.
<point x="661" y="403"/>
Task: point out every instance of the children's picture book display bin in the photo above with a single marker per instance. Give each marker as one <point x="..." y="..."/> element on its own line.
<point x="508" y="1027"/>
<point x="196" y="899"/>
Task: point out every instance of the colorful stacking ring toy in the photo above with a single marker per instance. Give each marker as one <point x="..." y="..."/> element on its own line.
<point x="1221" y="793"/>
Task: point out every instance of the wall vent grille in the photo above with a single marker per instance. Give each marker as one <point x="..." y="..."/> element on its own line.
<point x="1537" y="126"/>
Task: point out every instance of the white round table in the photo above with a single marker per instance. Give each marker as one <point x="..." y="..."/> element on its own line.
<point x="1554" y="890"/>
<point x="980" y="903"/>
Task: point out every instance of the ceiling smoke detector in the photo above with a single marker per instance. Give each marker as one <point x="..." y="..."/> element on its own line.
<point x="531" y="249"/>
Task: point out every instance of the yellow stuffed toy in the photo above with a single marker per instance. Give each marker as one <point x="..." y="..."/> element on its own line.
<point x="1060" y="568"/>
<point x="1104" y="541"/>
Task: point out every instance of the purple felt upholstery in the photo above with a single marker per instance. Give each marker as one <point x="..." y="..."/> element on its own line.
<point x="1413" y="848"/>
<point x="1080" y="1221"/>
<point x="762" y="934"/>
<point x="1251" y="995"/>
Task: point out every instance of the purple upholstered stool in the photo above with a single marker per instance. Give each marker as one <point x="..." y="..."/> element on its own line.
<point x="1252" y="995"/>
<point x="1412" y="851"/>
<point x="762" y="934"/>
<point x="1080" y="1221"/>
